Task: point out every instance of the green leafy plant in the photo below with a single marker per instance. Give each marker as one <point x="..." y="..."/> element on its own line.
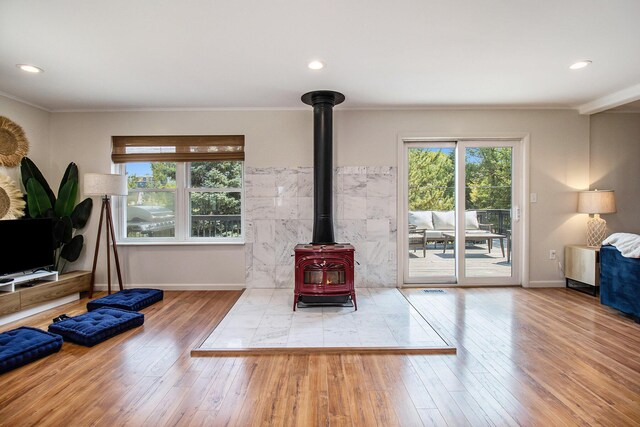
<point x="67" y="216"/>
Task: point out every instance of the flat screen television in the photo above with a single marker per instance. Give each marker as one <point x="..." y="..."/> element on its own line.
<point x="25" y="245"/>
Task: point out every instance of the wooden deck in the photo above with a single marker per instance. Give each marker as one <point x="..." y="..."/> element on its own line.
<point x="479" y="261"/>
<point x="525" y="357"/>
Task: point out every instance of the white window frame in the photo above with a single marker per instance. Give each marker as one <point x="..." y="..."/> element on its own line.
<point x="182" y="211"/>
<point x="520" y="244"/>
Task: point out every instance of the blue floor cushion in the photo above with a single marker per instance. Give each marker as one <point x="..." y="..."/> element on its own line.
<point x="24" y="345"/>
<point x="128" y="299"/>
<point x="96" y="326"/>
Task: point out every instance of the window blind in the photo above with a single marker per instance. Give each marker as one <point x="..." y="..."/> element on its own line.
<point x="177" y="148"/>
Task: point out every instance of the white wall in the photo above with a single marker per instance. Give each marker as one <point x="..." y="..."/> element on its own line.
<point x="273" y="138"/>
<point x="559" y="156"/>
<point x="35" y="124"/>
<point x="615" y="153"/>
<point x="559" y="166"/>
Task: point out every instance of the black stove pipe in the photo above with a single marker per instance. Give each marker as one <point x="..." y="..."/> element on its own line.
<point x="323" y="102"/>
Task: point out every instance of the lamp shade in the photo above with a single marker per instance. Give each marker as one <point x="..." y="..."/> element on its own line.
<point x="596" y="202"/>
<point x="103" y="184"/>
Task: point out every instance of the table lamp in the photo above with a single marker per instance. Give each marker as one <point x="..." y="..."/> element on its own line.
<point x="105" y="186"/>
<point x="596" y="202"/>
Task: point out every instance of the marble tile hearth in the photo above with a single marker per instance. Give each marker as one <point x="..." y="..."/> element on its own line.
<point x="263" y="319"/>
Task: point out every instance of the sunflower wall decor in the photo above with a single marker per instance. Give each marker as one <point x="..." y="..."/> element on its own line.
<point x="13" y="143"/>
<point x="11" y="202"/>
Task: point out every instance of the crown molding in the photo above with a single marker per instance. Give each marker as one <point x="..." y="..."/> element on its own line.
<point x="612" y="100"/>
<point x="22" y="101"/>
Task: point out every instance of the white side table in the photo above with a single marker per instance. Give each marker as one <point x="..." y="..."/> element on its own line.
<point x="582" y="268"/>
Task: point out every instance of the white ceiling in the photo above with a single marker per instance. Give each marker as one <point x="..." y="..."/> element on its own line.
<point x="124" y="54"/>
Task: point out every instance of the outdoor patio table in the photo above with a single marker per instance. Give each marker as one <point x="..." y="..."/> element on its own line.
<point x="488" y="237"/>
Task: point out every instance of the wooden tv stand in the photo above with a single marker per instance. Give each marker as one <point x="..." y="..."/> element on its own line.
<point x="15" y="296"/>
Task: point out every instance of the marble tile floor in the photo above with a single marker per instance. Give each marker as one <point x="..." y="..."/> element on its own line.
<point x="263" y="318"/>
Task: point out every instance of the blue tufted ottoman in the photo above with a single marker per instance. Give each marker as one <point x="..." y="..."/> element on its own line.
<point x="96" y="326"/>
<point x="128" y="299"/>
<point x="24" y="345"/>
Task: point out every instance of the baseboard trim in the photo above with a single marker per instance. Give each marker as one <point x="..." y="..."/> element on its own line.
<point x="174" y="287"/>
<point x="546" y="284"/>
<point x="38" y="309"/>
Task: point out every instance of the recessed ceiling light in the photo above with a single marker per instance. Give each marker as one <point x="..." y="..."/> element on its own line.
<point x="30" y="68"/>
<point x="316" y="65"/>
<point x="580" y="64"/>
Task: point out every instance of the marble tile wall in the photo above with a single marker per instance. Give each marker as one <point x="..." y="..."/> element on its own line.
<point x="279" y="215"/>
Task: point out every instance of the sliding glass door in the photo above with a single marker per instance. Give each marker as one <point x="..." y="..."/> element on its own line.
<point x="431" y="205"/>
<point x="452" y="186"/>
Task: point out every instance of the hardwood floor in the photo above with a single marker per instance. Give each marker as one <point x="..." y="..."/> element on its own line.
<point x="525" y="357"/>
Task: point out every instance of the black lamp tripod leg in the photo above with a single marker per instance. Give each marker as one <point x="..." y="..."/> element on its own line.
<point x="95" y="255"/>
<point x="115" y="245"/>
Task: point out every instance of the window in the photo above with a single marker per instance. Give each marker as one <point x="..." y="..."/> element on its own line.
<point x="181" y="189"/>
<point x="150" y="211"/>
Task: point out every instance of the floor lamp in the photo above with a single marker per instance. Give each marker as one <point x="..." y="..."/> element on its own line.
<point x="105" y="186"/>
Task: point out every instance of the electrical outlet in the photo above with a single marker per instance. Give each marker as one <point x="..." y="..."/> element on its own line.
<point x="552" y="254"/>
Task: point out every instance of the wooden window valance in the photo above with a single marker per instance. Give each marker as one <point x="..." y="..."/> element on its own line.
<point x="178" y="148"/>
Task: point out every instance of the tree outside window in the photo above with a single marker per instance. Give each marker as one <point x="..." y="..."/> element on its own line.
<point x="210" y="191"/>
<point x="488" y="181"/>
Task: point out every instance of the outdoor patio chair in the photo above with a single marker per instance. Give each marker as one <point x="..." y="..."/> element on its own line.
<point x="418" y="239"/>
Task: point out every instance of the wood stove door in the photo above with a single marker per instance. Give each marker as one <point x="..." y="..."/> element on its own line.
<point x="326" y="275"/>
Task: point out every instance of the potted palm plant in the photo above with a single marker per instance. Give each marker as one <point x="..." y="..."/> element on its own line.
<point x="68" y="217"/>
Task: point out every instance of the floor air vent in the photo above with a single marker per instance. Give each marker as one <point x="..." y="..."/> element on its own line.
<point x="433" y="291"/>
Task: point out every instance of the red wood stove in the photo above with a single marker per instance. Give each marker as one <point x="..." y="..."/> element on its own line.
<point x="324" y="270"/>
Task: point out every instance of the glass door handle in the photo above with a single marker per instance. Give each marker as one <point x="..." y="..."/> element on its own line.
<point x="516" y="214"/>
